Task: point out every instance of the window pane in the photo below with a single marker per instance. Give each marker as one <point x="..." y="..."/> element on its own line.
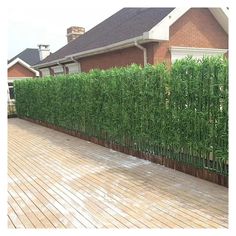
<point x="12" y="95"/>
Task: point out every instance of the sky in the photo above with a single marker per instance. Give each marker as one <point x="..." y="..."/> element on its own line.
<point x="47" y="24"/>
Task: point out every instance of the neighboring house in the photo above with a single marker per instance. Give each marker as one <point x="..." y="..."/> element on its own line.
<point x="20" y="66"/>
<point x="143" y="35"/>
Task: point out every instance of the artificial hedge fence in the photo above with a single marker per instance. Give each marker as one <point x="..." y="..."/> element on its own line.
<point x="180" y="113"/>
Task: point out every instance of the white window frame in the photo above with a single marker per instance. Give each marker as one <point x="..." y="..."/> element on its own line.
<point x="198" y="53"/>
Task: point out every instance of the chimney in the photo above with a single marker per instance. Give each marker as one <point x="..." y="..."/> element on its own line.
<point x="44" y="51"/>
<point x="74" y="32"/>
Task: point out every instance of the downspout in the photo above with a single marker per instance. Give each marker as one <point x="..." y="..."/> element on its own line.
<point x="144" y="52"/>
<point x="73" y="59"/>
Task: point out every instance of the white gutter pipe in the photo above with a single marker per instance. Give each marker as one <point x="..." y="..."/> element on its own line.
<point x="144" y="52"/>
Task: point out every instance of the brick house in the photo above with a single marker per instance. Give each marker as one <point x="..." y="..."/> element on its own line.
<point x="20" y="66"/>
<point x="143" y="35"/>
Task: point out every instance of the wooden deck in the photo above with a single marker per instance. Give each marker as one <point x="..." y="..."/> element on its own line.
<point x="59" y="181"/>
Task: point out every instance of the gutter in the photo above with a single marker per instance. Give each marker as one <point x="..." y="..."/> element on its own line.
<point x="145" y="38"/>
<point x="108" y="48"/>
<point x="73" y="59"/>
<point x="144" y="52"/>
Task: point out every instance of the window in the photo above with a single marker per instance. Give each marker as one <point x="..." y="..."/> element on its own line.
<point x="11" y="95"/>
<point x="58" y="70"/>
<point x="45" y="72"/>
<point x="73" y="68"/>
<point x="181" y="52"/>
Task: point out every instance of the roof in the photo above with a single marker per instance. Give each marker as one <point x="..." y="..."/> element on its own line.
<point x="29" y="55"/>
<point x="125" y="24"/>
<point x="128" y="27"/>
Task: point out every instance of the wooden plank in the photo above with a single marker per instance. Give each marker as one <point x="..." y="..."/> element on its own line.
<point x="137" y="216"/>
<point x="63" y="208"/>
<point x="182" y="187"/>
<point x="204" y="223"/>
<point x="193" y="183"/>
<point x="10" y="223"/>
<point x="46" y="193"/>
<point x="15" y="209"/>
<point x="74" y="183"/>
<point x="55" y="190"/>
<point x="35" y="218"/>
<point x="40" y="201"/>
<point x="15" y="218"/>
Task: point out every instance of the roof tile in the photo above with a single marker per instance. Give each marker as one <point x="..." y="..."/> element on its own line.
<point x="29" y="55"/>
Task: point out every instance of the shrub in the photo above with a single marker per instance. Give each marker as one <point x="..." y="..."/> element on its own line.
<point x="181" y="113"/>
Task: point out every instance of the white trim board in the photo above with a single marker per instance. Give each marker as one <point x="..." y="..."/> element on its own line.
<point x="221" y="15"/>
<point x="18" y="78"/>
<point x="181" y="52"/>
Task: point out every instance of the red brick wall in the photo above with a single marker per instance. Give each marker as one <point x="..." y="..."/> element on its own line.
<point x="117" y="58"/>
<point x="196" y="28"/>
<point x="18" y="70"/>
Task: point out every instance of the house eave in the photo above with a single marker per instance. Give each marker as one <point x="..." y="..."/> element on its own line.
<point x="162" y="29"/>
<point x="23" y="63"/>
<point x="221" y="15"/>
<point x="109" y="48"/>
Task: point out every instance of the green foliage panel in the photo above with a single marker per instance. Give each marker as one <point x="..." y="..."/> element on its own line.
<point x="180" y="113"/>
